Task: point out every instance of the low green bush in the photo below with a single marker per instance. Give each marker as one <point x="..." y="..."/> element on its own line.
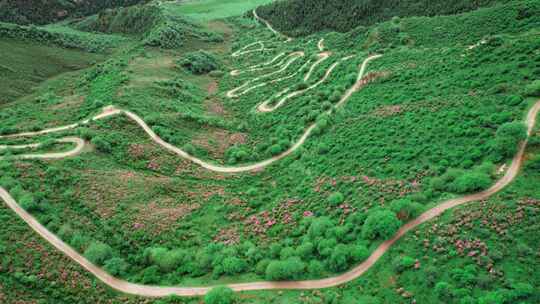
<point x="200" y="62"/>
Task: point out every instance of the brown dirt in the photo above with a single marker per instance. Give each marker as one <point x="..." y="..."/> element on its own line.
<point x="214" y="106"/>
<point x="386" y="111"/>
<point x="212" y="87"/>
<point x="217" y="141"/>
<point x="161" y="215"/>
<point x="69" y="102"/>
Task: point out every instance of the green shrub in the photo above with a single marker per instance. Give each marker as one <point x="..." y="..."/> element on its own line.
<point x="200" y="62"/>
<point x="98" y="253"/>
<point x="233" y="265"/>
<point x="116" y="266"/>
<point x="220" y="295"/>
<point x="285" y="270"/>
<point x="507" y="138"/>
<point x="402" y="263"/>
<point x="336" y="198"/>
<point x="380" y="223"/>
<point x="534" y="163"/>
<point x="471" y="181"/>
<point x="406" y="209"/>
<point x="514" y="100"/>
<point x="533" y="89"/>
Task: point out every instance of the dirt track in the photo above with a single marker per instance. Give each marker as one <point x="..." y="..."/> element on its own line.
<point x="159" y="291"/>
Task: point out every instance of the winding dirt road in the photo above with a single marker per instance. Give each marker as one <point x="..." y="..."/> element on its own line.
<point x="79" y="146"/>
<point x="159" y="291"/>
<point x="320" y="45"/>
<point x="284" y="65"/>
<point x="265" y="107"/>
<point x="270" y="27"/>
<point x="112" y="111"/>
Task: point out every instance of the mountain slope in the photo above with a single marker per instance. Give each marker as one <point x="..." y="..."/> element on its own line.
<point x="300" y="17"/>
<point x="46" y="11"/>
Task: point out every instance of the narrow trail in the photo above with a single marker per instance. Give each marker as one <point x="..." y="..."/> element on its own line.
<point x="245" y="50"/>
<point x="284" y="65"/>
<point x="160" y="291"/>
<point x="322" y="57"/>
<point x="269" y="26"/>
<point x="259" y="66"/>
<point x="320" y="45"/>
<point x="79" y="146"/>
<point x="265" y="107"/>
<point x="112" y="111"/>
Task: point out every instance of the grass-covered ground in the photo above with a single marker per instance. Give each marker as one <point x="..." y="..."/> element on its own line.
<point x="432" y="125"/>
<point x="205" y="10"/>
<point x="24" y="65"/>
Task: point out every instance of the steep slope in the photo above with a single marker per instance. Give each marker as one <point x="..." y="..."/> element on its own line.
<point x="299" y="17"/>
<point x="41" y="12"/>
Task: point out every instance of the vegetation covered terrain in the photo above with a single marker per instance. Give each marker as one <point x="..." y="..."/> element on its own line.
<point x="195" y="145"/>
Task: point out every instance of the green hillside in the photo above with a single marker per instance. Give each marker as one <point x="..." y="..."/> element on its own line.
<point x="47" y="11"/>
<point x="192" y="144"/>
<point x="300" y="17"/>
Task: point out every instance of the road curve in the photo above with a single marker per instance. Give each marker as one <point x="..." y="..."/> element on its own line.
<point x="270" y="27"/>
<point x="284" y="65"/>
<point x="159" y="291"/>
<point x="265" y="106"/>
<point x="111" y="111"/>
<point x="79" y="146"/>
<point x="320" y="44"/>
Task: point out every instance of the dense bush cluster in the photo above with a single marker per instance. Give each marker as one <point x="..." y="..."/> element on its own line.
<point x="137" y="19"/>
<point x="300" y="17"/>
<point x="41" y="12"/>
<point x="200" y="62"/>
<point x="66" y="40"/>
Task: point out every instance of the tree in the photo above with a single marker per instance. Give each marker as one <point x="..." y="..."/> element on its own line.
<point x="380" y="223"/>
<point x="233" y="265"/>
<point x="200" y="62"/>
<point x="166" y="260"/>
<point x="101" y="144"/>
<point x="116" y="266"/>
<point x="282" y="270"/>
<point x="220" y="295"/>
<point x="471" y="181"/>
<point x="336" y="198"/>
<point x="443" y="290"/>
<point x="339" y="259"/>
<point x="98" y="253"/>
<point x="319" y="226"/>
<point x="533" y="89"/>
<point x="315" y="268"/>
<point x="507" y="139"/>
<point x="406" y="209"/>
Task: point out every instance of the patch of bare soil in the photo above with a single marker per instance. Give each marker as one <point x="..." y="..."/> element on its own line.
<point x="159" y="216"/>
<point x="102" y="190"/>
<point x="386" y="111"/>
<point x="220" y="27"/>
<point x="215" y="107"/>
<point x="212" y="87"/>
<point x="217" y="141"/>
<point x="145" y="71"/>
<point x="68" y="102"/>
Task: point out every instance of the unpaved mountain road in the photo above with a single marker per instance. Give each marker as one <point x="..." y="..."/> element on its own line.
<point x="159" y="291"/>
